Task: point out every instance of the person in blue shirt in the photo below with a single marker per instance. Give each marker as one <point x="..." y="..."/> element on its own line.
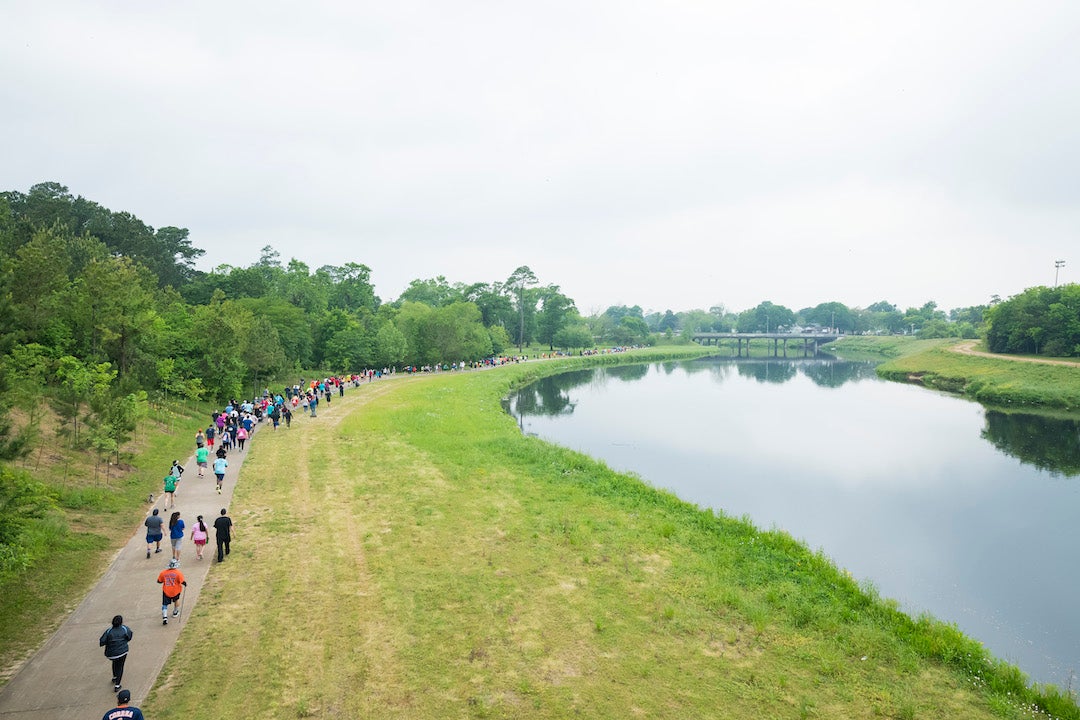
<point x="219" y="470"/>
<point x="123" y="711"/>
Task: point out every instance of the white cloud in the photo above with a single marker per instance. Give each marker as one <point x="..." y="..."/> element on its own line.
<point x="668" y="155"/>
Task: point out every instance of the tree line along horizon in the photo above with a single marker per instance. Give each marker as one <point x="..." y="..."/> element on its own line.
<point x="105" y="310"/>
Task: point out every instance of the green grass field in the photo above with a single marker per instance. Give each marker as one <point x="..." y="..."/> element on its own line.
<point x="410" y="554"/>
<point x="999" y="381"/>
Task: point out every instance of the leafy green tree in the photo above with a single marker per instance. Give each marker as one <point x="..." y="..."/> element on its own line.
<point x="174" y="258"/>
<point x="495" y="304"/>
<point x="390" y="347"/>
<point x="300" y="288"/>
<point x="500" y="339"/>
<point x="834" y="315"/>
<point x="39" y="285"/>
<point x="766" y="317"/>
<point x="115" y="311"/>
<point x="669" y="322"/>
<point x="7" y="228"/>
<point x="881" y="317"/>
<point x="520" y="280"/>
<point x="263" y="354"/>
<point x="695" y="321"/>
<point x="1040" y="319"/>
<point x="114" y="420"/>
<point x="435" y="292"/>
<point x="918" y="317"/>
<point x="351" y="287"/>
<point x="574" y="337"/>
<point x="220" y="330"/>
<point x="414" y="322"/>
<point x="446" y="334"/>
<point x="631" y="330"/>
<point x="556" y="312"/>
<point x="24" y="371"/>
<point x="80" y="383"/>
<point x="459" y="334"/>
<point x="936" y="329"/>
<point x="22" y="500"/>
<point x="293" y="326"/>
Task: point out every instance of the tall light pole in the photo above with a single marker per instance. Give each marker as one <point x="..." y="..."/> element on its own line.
<point x="1058" y="264"/>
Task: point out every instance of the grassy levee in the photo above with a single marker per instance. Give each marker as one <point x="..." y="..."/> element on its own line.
<point x="409" y="554"/>
<point x="1003" y="381"/>
<point x="94" y="514"/>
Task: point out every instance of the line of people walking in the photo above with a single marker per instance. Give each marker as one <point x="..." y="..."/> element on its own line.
<point x="229" y="430"/>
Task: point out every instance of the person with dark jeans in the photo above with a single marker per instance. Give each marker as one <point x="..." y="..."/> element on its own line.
<point x="115" y="641"/>
<point x="223" y="528"/>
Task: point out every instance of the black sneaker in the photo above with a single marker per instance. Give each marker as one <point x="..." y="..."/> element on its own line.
<point x="164" y="621"/>
<point x="116" y="687"/>
<point x="176" y="612"/>
<point x="147" y="554"/>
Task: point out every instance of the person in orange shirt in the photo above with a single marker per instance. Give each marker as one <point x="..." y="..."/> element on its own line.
<point x="172" y="584"/>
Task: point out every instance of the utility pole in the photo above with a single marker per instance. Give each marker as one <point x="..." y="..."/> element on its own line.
<point x="1058" y="264"/>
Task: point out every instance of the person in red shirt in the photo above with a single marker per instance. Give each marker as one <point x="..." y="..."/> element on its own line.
<point x="172" y="584"/>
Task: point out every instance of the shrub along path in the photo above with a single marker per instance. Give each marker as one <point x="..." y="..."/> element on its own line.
<point x="69" y="675"/>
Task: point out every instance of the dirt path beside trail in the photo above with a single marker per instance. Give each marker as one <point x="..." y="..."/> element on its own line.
<point x="968" y="348"/>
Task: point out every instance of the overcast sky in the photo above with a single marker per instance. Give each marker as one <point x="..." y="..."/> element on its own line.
<point x="673" y="155"/>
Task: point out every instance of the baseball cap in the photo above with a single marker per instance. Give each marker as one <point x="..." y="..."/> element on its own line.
<point x="123" y="696"/>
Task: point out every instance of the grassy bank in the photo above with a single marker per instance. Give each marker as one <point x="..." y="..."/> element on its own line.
<point x="95" y="509"/>
<point x="410" y="554"/>
<point x="995" y="381"/>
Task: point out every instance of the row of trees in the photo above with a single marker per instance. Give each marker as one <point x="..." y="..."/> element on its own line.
<point x="108" y="310"/>
<point x="82" y="284"/>
<point x="879" y="318"/>
<point x="1040" y="320"/>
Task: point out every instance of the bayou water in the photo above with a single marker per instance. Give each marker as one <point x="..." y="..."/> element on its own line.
<point x="952" y="509"/>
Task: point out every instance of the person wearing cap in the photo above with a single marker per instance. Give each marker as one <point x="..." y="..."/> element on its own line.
<point x="115" y="640"/>
<point x="172" y="584"/>
<point x="123" y="710"/>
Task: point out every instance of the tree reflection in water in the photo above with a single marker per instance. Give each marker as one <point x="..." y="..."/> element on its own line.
<point x="1049" y="443"/>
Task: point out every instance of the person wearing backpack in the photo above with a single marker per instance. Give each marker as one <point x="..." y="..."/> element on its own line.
<point x="199" y="536"/>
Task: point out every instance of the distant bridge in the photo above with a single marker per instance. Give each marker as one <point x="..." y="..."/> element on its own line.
<point x="807" y="343"/>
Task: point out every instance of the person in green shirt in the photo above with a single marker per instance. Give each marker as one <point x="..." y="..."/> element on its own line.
<point x="202" y="454"/>
<point x="170" y="488"/>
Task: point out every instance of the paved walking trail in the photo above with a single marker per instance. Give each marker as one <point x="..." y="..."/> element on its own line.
<point x="69" y="677"/>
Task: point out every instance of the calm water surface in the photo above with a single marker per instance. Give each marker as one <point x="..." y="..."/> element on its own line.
<point x="951" y="509"/>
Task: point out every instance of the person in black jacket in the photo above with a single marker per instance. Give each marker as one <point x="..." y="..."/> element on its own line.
<point x="115" y="641"/>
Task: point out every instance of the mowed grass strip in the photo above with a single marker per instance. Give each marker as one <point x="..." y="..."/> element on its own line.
<point x="409" y="554"/>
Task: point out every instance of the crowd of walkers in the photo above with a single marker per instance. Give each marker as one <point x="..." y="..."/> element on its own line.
<point x="228" y="434"/>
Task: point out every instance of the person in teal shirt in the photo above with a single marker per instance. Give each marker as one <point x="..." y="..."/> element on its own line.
<point x="219" y="469"/>
<point x="170" y="488"/>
